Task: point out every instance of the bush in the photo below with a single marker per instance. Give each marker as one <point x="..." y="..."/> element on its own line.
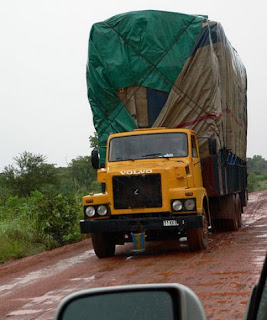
<point x="56" y="218"/>
<point x="42" y="221"/>
<point x="252" y="182"/>
<point x="40" y="205"/>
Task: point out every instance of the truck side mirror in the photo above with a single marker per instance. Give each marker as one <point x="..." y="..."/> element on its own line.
<point x="95" y="159"/>
<point x="149" y="301"/>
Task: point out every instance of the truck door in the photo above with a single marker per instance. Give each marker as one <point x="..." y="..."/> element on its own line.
<point x="196" y="163"/>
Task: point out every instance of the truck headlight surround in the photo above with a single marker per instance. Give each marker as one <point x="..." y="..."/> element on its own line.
<point x="177" y="205"/>
<point x="190" y="204"/>
<point x="90" y="211"/>
<point x="102" y="210"/>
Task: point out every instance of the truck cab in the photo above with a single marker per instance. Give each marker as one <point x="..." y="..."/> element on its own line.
<point x="153" y="184"/>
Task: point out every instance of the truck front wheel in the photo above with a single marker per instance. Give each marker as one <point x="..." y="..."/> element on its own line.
<point x="198" y="238"/>
<point x="104" y="245"/>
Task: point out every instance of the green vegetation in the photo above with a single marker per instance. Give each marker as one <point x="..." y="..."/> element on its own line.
<point x="36" y="223"/>
<point x="40" y="205"/>
<point x="30" y="172"/>
<point x="257" y="173"/>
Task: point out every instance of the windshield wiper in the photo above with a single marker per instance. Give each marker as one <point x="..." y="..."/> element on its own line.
<point x="152" y="154"/>
<point x="125" y="159"/>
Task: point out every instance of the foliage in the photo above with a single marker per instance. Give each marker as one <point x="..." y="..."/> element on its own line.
<point x="253" y="183"/>
<point x="66" y="183"/>
<point x="78" y="178"/>
<point x="257" y="165"/>
<point x="17" y="238"/>
<point x="4" y="191"/>
<point x="30" y="172"/>
<point x="56" y="218"/>
<point x="42" y="221"/>
<point x="94" y="141"/>
<point x="257" y="173"/>
<point x="41" y="205"/>
<point x="83" y="175"/>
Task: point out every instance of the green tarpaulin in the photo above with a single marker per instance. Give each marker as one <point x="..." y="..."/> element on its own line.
<point x="166" y="69"/>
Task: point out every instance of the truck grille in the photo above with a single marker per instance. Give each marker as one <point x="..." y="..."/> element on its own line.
<point x="137" y="191"/>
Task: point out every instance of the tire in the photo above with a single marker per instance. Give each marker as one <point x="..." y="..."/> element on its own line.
<point x="238" y="210"/>
<point x="103" y="244"/>
<point x="216" y="208"/>
<point x="231" y="224"/>
<point x="218" y="225"/>
<point x="246" y="197"/>
<point x="197" y="238"/>
<point x="234" y="207"/>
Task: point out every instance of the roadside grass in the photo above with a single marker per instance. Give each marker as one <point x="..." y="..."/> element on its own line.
<point x="17" y="238"/>
<point x="38" y="223"/>
<point x="263" y="185"/>
<point x="16" y="249"/>
<point x="257" y="182"/>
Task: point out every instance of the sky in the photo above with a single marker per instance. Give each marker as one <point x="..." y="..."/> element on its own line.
<point x="43" y="55"/>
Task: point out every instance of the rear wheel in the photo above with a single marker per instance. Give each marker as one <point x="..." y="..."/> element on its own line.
<point x="238" y="210"/>
<point x="218" y="225"/>
<point x="104" y="245"/>
<point x="234" y="207"/>
<point x="197" y="238"/>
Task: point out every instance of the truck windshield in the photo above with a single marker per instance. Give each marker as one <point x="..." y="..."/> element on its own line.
<point x="147" y="146"/>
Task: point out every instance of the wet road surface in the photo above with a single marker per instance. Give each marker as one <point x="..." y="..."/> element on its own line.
<point x="222" y="275"/>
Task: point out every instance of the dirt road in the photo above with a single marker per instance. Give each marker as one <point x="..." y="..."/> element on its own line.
<point x="222" y="276"/>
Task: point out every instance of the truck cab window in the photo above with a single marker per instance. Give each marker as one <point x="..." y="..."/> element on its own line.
<point x="145" y="146"/>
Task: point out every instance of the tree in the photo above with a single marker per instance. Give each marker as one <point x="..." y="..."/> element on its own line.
<point x="257" y="173"/>
<point x="30" y="172"/>
<point x="257" y="165"/>
<point x="4" y="192"/>
<point x="253" y="182"/>
<point x="84" y="176"/>
<point x="94" y="141"/>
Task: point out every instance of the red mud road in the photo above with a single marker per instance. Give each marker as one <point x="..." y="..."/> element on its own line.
<point x="222" y="276"/>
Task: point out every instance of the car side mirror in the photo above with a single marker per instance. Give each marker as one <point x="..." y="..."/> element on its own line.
<point x="95" y="159"/>
<point x="151" y="301"/>
<point x="257" y="305"/>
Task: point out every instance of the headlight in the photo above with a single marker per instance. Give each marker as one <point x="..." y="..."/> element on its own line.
<point x="90" y="211"/>
<point x="102" y="210"/>
<point x="189" y="204"/>
<point x="177" y="205"/>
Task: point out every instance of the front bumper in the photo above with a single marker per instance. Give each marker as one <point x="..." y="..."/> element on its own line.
<point x="142" y="224"/>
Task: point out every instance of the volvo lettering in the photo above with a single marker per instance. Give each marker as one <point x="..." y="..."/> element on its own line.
<point x="136" y="172"/>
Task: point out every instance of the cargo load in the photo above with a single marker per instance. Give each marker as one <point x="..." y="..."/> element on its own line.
<point x="163" y="69"/>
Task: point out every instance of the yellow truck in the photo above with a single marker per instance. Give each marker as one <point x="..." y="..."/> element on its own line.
<point x="154" y="184"/>
<point x="171" y="116"/>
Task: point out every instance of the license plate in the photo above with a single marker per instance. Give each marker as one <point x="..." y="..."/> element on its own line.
<point x="169" y="223"/>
